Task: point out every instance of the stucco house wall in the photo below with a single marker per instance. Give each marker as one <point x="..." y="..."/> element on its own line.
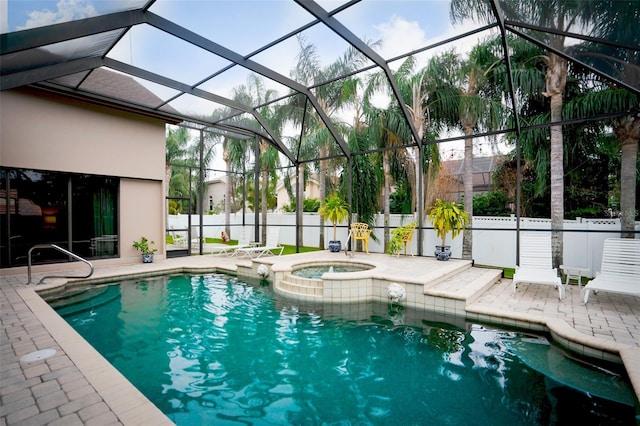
<point x="312" y="190"/>
<point x="215" y="192"/>
<point x="49" y="132"/>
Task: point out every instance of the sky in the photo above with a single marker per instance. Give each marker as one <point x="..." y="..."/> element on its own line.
<point x="244" y="26"/>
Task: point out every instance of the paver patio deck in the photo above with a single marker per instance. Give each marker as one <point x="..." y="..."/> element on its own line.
<point x="77" y="386"/>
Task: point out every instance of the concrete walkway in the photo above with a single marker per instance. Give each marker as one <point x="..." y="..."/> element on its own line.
<point x="76" y="385"/>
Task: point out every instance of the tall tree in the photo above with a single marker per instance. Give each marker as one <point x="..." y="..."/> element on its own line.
<point x="387" y="130"/>
<point x="559" y="16"/>
<point x="378" y="125"/>
<point x="627" y="131"/>
<point x="233" y="155"/>
<point x="617" y="21"/>
<point x="199" y="166"/>
<point x="177" y="141"/>
<point x="601" y="98"/>
<point x="256" y="93"/>
<point x="332" y="93"/>
<point x="416" y="86"/>
<point x="365" y="182"/>
<point x="476" y="105"/>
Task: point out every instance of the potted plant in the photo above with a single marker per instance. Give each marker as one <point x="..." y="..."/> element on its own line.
<point x="144" y="247"/>
<point x="400" y="237"/>
<point x="336" y="210"/>
<point x="447" y="216"/>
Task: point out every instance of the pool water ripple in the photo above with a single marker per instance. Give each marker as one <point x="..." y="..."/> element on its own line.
<point x="212" y="350"/>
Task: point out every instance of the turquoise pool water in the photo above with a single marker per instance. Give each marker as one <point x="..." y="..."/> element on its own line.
<point x="316" y="271"/>
<point x="213" y="350"/>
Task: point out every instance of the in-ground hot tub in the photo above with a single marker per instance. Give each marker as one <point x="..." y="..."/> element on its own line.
<point x="330" y="280"/>
<point x="315" y="271"/>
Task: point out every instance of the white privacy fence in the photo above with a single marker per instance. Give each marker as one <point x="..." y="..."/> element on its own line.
<point x="494" y="238"/>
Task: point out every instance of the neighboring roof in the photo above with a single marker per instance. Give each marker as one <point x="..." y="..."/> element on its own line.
<point x="195" y="57"/>
<point x="121" y="87"/>
<point x="483" y="168"/>
<point x="216" y="180"/>
<point x="480" y="165"/>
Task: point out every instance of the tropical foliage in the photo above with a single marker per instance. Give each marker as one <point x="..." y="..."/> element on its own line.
<point x="335" y="209"/>
<point x="448" y="216"/>
<point x="144" y="246"/>
<point x="559" y="169"/>
<point x="493" y="203"/>
<point x="398" y="236"/>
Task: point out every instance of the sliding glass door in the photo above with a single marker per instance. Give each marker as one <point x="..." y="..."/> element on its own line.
<point x="77" y="212"/>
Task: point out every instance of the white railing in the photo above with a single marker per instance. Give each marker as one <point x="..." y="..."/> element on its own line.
<point x="494" y="238"/>
<point x="61" y="250"/>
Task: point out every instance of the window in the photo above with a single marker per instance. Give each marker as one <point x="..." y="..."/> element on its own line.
<point x="76" y="212"/>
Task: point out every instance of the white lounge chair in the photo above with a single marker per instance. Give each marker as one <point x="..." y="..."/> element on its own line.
<point x="620" y="270"/>
<point x="243" y="241"/>
<point x="536" y="263"/>
<point x="273" y="234"/>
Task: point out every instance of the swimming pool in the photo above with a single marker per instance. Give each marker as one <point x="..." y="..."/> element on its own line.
<point x="213" y="350"/>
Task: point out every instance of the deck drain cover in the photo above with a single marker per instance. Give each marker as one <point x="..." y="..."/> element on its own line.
<point x="38" y="355"/>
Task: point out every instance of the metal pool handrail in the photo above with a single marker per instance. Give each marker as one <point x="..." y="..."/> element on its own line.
<point x="60" y="249"/>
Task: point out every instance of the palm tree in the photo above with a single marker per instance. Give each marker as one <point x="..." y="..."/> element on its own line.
<point x="416" y="87"/>
<point x="558" y="16"/>
<point x="377" y="131"/>
<point x="626" y="129"/>
<point x="332" y="95"/>
<point x="473" y="101"/>
<point x="618" y="21"/>
<point x="255" y="93"/>
<point x="233" y="154"/>
<point x="200" y="164"/>
<point x="175" y="151"/>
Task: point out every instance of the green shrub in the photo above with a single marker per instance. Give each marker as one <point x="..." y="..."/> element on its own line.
<point x="493" y="203"/>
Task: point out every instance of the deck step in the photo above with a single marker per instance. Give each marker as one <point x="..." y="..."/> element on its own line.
<point x="443" y="274"/>
<point x="464" y="285"/>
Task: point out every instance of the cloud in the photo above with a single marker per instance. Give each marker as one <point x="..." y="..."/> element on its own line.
<point x="400" y="36"/>
<point x="66" y="10"/>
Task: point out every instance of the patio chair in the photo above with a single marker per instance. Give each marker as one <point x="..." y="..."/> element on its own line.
<point x="536" y="263"/>
<point x="620" y="270"/>
<point x="273" y="234"/>
<point x="360" y="231"/>
<point x="243" y="241"/>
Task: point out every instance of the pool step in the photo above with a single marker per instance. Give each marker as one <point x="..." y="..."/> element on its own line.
<point x="82" y="300"/>
<point x="299" y="286"/>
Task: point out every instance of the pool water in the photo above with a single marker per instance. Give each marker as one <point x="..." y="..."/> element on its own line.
<point x="213" y="350"/>
<point x="316" y="271"/>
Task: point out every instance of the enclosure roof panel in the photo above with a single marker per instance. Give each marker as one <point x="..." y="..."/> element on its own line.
<point x="200" y="59"/>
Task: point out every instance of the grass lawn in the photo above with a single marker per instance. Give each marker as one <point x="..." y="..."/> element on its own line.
<point x="508" y="273"/>
<point x="288" y="249"/>
<point x="291" y="249"/>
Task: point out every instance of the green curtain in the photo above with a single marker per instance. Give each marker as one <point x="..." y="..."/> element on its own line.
<point x="103" y="220"/>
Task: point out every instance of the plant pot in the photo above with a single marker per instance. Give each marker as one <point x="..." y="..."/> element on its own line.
<point x="335" y="246"/>
<point x="443" y="252"/>
<point x="147" y="258"/>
